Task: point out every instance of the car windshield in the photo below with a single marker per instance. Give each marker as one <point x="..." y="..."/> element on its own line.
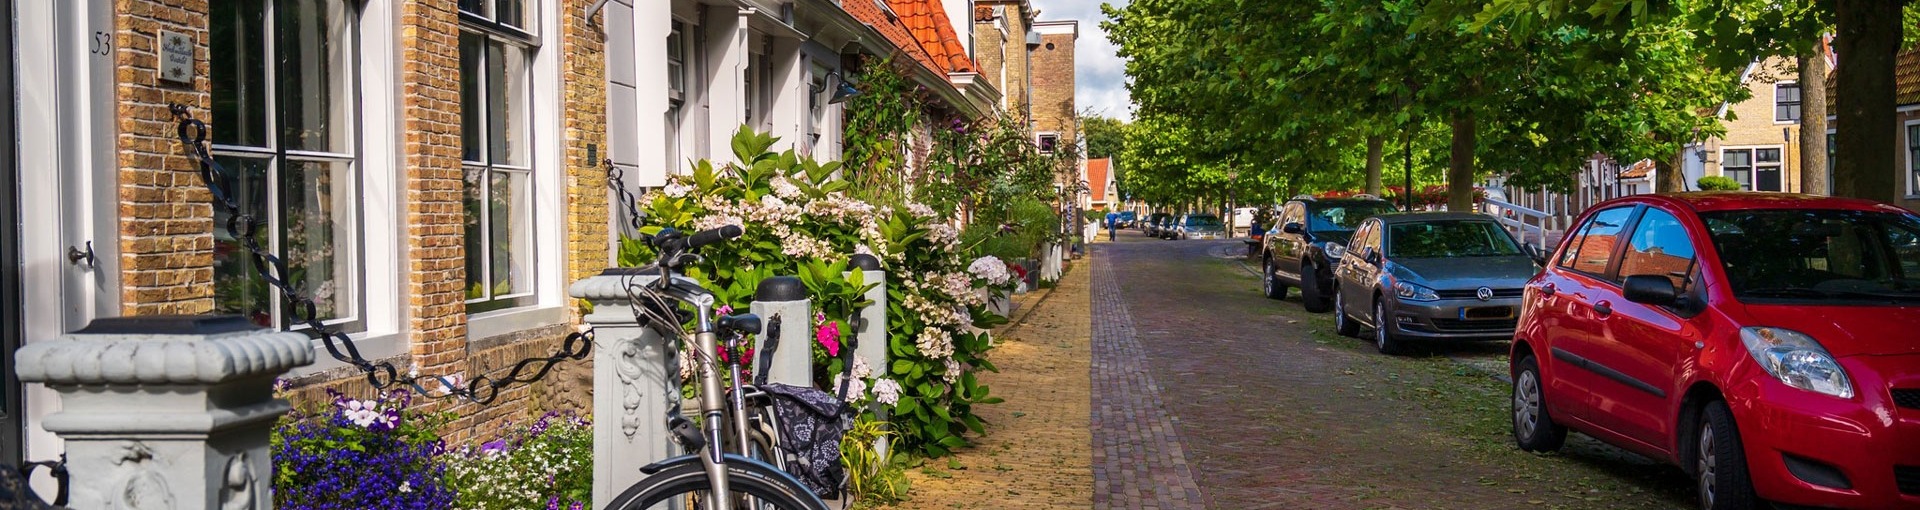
<point x="1128" y="216"/>
<point x="1203" y="221"/>
<point x="1449" y="238"/>
<point x="1342" y="218"/>
<point x="1818" y="255"/>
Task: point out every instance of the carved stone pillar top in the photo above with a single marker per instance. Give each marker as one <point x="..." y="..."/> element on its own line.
<point x="201" y="350"/>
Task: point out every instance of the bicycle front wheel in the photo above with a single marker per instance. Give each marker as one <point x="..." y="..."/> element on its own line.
<point x="756" y="487"/>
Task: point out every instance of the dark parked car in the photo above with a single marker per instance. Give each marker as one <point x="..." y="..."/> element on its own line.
<point x="1156" y="221"/>
<point x="1294" y="251"/>
<point x="1430" y="276"/>
<point x="1764" y="342"/>
<point x="1200" y="226"/>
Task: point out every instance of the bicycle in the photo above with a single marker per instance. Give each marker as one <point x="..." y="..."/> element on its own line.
<point x="691" y="480"/>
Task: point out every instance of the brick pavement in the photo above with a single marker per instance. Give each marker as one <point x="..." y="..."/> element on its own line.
<point x="1138" y="460"/>
<point x="1035" y="452"/>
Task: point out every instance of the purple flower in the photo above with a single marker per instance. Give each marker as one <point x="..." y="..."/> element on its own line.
<point x="494" y="446"/>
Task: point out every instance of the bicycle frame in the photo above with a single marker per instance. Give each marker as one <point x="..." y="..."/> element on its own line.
<point x="713" y="407"/>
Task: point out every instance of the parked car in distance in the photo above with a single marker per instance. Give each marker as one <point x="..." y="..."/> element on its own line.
<point x="1126" y="219"/>
<point x="1763" y="342"/>
<point x="1169" y="227"/>
<point x="1155" y="221"/>
<point x="1200" y="226"/>
<point x="1294" y="252"/>
<point x="1429" y="276"/>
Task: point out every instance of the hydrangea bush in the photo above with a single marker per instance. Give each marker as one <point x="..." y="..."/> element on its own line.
<point x="355" y="454"/>
<point x="799" y="220"/>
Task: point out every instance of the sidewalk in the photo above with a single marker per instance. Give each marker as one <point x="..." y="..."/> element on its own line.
<point x="1037" y="450"/>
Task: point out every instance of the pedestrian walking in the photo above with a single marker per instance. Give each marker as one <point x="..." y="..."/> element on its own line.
<point x="1113" y="224"/>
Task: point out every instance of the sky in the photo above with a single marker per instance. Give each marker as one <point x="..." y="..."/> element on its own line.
<point x="1100" y="77"/>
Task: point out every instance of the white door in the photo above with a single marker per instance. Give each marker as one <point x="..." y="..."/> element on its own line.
<point x="68" y="186"/>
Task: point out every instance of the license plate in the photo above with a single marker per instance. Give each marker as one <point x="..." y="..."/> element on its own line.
<point x="1486" y="312"/>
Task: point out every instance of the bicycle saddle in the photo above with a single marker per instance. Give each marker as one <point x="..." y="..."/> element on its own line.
<point x="744" y="323"/>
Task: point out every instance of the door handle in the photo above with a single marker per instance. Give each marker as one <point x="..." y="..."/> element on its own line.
<point x="1546" y="289"/>
<point x="1603" y="308"/>
<point x="75" y="255"/>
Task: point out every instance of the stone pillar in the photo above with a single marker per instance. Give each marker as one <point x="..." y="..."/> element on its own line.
<point x="785" y="297"/>
<point x="635" y="378"/>
<point x="872" y="335"/>
<point x="167" y="411"/>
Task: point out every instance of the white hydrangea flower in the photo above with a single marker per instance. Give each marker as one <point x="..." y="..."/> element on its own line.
<point x="676" y="189"/>
<point x="860" y="368"/>
<point x="886" y="391"/>
<point x="991" y="269"/>
<point x="856" y="388"/>
<point x="952" y="372"/>
<point x="920" y="210"/>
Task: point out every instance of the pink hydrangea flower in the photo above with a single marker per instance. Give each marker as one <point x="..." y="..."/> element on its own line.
<point x="829" y="337"/>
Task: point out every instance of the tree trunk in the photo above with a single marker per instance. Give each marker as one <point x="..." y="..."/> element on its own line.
<point x="1460" y="166"/>
<point x="1867" y="39"/>
<point x="1813" y="121"/>
<point x="1374" y="145"/>
<point x="1669" y="175"/>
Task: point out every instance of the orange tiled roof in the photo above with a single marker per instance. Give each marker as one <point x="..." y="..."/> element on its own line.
<point x="1638" y="170"/>
<point x="868" y="11"/>
<point x="1097" y="178"/>
<point x="1906" y="78"/>
<point x="927" y="20"/>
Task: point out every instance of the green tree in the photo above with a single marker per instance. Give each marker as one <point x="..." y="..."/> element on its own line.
<point x="1103" y="135"/>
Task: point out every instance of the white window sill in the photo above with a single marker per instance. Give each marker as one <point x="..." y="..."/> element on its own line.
<point x="502" y="322"/>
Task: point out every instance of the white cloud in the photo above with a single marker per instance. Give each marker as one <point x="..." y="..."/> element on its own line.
<point x="1100" y="75"/>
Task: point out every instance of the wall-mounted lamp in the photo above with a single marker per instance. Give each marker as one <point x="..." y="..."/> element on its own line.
<point x="841" y="92"/>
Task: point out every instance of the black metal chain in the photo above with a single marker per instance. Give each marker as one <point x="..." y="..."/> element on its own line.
<point x="482" y="389"/>
<point x="616" y="180"/>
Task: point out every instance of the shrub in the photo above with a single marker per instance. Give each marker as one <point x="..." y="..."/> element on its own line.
<point x="356" y="454"/>
<point x="548" y="464"/>
<point x="1718" y="183"/>
<point x="799" y="220"/>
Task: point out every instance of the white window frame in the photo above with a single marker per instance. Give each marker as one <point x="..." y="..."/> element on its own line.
<point x="1913" y="167"/>
<point x="1039" y="137"/>
<point x="351" y="316"/>
<point x="1776" y="102"/>
<point x="546" y="304"/>
<point x="1754" y="165"/>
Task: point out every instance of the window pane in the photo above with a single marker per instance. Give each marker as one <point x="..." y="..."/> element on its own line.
<point x="1787" y="93"/>
<point x="1660" y="246"/>
<point x="514" y="13"/>
<point x="1737" y="158"/>
<point x="472" y="111"/>
<point x="314" y="215"/>
<point x="1591" y="251"/>
<point x="507" y="98"/>
<point x="239" y="72"/>
<point x="474" y="6"/>
<point x="1766" y="178"/>
<point x="237" y="286"/>
<point x="1766" y="155"/>
<point x="475" y="188"/>
<point x="313" y="85"/>
<point x="509" y="240"/>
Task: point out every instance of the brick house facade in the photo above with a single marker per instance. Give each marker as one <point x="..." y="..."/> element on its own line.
<point x="432" y="169"/>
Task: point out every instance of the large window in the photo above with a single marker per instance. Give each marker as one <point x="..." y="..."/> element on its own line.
<point x="284" y="129"/>
<point x="496" y="53"/>
<point x="1592" y="248"/>
<point x="1755" y="169"/>
<point x="1786" y="102"/>
<point x="1913" y="158"/>
<point x="676" y="90"/>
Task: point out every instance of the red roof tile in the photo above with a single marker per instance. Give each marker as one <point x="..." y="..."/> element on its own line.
<point x="927" y="20"/>
<point x="1638" y="170"/>
<point x="868" y="11"/>
<point x="1097" y="178"/>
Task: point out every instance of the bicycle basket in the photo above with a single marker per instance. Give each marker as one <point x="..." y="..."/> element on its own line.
<point x="811" y="425"/>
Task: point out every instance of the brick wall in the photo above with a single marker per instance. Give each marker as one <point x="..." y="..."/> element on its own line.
<point x="989" y="50"/>
<point x="1053" y="105"/>
<point x="430" y="111"/>
<point x="166" y="216"/>
<point x="586" y="132"/>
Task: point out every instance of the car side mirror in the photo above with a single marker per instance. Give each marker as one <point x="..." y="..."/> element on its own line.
<point x="1293" y="228"/>
<point x="1651" y="289"/>
<point x="1533" y="252"/>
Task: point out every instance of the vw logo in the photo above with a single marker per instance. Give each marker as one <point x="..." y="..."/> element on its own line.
<point x="1485" y="294"/>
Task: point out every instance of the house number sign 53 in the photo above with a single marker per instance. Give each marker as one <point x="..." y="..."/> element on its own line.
<point x="176" y="57"/>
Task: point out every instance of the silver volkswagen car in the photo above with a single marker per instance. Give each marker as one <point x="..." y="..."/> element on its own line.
<point x="1430" y="276"/>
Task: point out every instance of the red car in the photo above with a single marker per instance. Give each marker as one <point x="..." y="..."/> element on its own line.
<point x="1768" y="344"/>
